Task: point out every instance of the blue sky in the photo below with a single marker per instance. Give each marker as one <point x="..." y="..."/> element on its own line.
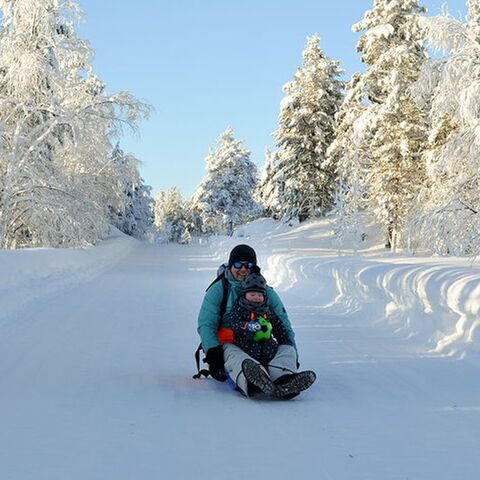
<point x="205" y="65"/>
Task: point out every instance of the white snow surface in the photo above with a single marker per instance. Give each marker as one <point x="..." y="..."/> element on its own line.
<point x="96" y="364"/>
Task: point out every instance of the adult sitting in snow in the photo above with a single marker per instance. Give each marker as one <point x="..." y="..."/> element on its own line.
<point x="277" y="376"/>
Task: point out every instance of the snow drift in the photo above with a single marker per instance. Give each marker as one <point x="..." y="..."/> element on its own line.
<point x="96" y="362"/>
<point x="433" y="302"/>
<point x="30" y="274"/>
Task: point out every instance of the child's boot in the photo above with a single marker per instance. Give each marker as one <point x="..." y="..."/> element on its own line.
<point x="289" y="386"/>
<point x="256" y="375"/>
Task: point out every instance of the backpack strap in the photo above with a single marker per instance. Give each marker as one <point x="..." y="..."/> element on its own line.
<point x="223" y="305"/>
<point x="204" y="371"/>
<point x="223" y="309"/>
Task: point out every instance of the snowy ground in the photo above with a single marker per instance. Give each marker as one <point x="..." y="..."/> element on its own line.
<point x="96" y="362"/>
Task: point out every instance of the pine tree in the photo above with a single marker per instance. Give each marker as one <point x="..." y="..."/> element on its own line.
<point x="224" y="198"/>
<point x="302" y="183"/>
<point x="447" y="218"/>
<point x="392" y="47"/>
<point x="57" y="182"/>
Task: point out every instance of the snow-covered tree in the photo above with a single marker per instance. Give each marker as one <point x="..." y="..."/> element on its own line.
<point x="140" y="211"/>
<point x="302" y="183"/>
<point x="447" y="217"/>
<point x="171" y="216"/>
<point x="224" y="198"/>
<point x="195" y="208"/>
<point x="266" y="192"/>
<point x="350" y="159"/>
<point x="186" y="237"/>
<point x="136" y="215"/>
<point x="473" y="17"/>
<point x="159" y="209"/>
<point x="392" y="47"/>
<point x="57" y="181"/>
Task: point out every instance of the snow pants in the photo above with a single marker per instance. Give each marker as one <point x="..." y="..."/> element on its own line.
<point x="284" y="362"/>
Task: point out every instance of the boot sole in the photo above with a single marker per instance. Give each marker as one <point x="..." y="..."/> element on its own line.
<point x="298" y="383"/>
<point x="257" y="376"/>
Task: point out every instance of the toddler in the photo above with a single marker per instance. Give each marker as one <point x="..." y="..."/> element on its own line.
<point x="256" y="329"/>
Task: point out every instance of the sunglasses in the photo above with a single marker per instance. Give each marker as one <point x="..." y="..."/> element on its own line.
<point x="239" y="265"/>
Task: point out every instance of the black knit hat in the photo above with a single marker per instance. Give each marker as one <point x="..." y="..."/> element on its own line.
<point x="242" y="253"/>
<point x="254" y="282"/>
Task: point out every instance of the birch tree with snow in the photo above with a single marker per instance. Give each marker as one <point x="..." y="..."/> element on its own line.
<point x="57" y="181"/>
<point x="447" y="218"/>
<point x="303" y="184"/>
<point x="224" y="198"/>
<point x="392" y="47"/>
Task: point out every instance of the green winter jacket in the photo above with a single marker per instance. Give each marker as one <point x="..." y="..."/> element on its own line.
<point x="208" y="318"/>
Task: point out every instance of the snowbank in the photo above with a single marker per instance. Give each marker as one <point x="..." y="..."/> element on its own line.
<point x="96" y="379"/>
<point x="29" y="274"/>
<point x="434" y="303"/>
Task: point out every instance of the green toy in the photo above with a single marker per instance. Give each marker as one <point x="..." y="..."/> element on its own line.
<point x="266" y="331"/>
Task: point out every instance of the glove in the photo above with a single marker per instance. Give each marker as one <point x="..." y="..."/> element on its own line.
<point x="215" y="361"/>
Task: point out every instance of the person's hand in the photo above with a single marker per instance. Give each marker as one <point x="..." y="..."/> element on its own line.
<point x="216" y="363"/>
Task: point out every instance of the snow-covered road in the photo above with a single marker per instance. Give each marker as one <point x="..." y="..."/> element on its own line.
<point x="96" y="384"/>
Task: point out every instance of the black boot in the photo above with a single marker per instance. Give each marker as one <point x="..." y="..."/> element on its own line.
<point x="289" y="386"/>
<point x="258" y="377"/>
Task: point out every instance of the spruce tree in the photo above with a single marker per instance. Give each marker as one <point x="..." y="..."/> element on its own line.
<point x="392" y="48"/>
<point x="224" y="198"/>
<point x="302" y="183"/>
